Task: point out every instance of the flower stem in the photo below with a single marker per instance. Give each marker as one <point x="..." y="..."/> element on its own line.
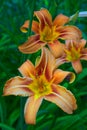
<point x="21" y="113"/>
<point x="22" y="103"/>
<point x="1" y="114"/>
<point x="23" y="58"/>
<point x="31" y="17"/>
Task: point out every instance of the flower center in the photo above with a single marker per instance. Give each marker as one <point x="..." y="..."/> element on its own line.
<point x="40" y="86"/>
<point x="49" y="34"/>
<point x="73" y="54"/>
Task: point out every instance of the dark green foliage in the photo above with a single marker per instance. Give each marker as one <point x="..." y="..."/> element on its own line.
<point x="12" y="15"/>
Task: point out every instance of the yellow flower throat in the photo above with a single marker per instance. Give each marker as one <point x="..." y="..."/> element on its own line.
<point x="40" y="86"/>
<point x="49" y="34"/>
<point x="73" y="54"/>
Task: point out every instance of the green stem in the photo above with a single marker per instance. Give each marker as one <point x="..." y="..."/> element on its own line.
<point x="24" y="57"/>
<point x="31" y="17"/>
<point x="5" y="127"/>
<point x="53" y="123"/>
<point x="1" y="115"/>
<point x="22" y="124"/>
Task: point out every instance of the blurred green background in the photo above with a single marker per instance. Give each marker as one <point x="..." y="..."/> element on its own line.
<point x="13" y="13"/>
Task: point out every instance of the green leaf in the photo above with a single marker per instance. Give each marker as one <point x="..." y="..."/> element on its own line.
<point x="4" y="40"/>
<point x="81" y="75"/>
<point x="81" y="93"/>
<point x="74" y="17"/>
<point x="13" y="117"/>
<point x="6" y="127"/>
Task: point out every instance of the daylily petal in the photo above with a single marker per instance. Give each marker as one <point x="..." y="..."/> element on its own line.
<point x="56" y="48"/>
<point x="44" y="18"/>
<point x="77" y="43"/>
<point x="77" y="66"/>
<point x="84" y="57"/>
<point x="34" y="28"/>
<point x="60" y="102"/>
<point x="60" y="61"/>
<point x="70" y="32"/>
<point x="84" y="51"/>
<point x="66" y="94"/>
<point x="84" y="54"/>
<point x="17" y="86"/>
<point x="45" y="65"/>
<point x="27" y="69"/>
<point x="82" y="43"/>
<point x="51" y="64"/>
<point x="60" y="75"/>
<point x="60" y="20"/>
<point x="32" y="45"/>
<point x="31" y="108"/>
<point x="41" y="65"/>
<point x="70" y="43"/>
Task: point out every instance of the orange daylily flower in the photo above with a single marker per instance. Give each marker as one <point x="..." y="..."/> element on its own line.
<point x="74" y="52"/>
<point x="41" y="82"/>
<point x="48" y="32"/>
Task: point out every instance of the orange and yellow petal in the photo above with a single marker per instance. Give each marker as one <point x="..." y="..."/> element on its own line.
<point x="17" y="86"/>
<point x="56" y="48"/>
<point x="60" y="20"/>
<point x="84" y="51"/>
<point x="25" y="26"/>
<point x="34" y="28"/>
<point x="44" y="18"/>
<point x="82" y="43"/>
<point x="31" y="108"/>
<point x="84" y="57"/>
<point x="66" y="94"/>
<point x="42" y="62"/>
<point x="27" y="69"/>
<point x="67" y="104"/>
<point x="84" y="54"/>
<point x="60" y="75"/>
<point x="32" y="45"/>
<point x="51" y="64"/>
<point x="70" y="32"/>
<point x="45" y="65"/>
<point x="77" y="66"/>
<point x="60" y="61"/>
